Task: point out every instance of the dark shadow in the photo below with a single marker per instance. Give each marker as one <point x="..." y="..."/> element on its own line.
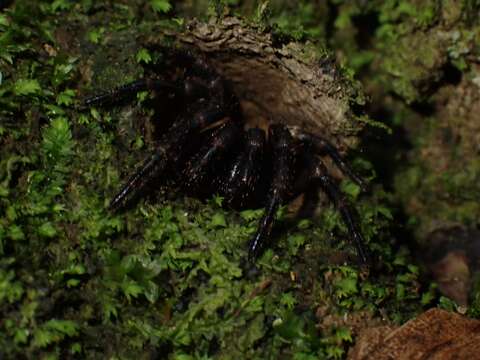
<point x="366" y="25"/>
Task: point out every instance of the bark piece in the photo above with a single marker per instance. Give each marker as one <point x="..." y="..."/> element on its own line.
<point x="291" y="83"/>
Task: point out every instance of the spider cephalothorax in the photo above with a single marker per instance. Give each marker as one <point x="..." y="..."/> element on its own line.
<point x="211" y="148"/>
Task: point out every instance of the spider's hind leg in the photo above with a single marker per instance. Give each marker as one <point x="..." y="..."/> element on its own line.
<point x="318" y="176"/>
<point x="322" y="146"/>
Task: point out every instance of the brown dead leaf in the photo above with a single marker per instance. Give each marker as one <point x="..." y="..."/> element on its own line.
<point x="435" y="335"/>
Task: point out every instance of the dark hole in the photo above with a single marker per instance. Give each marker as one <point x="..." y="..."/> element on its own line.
<point x="182" y="304"/>
<point x="451" y="75"/>
<point x="330" y="25"/>
<point x="424" y="108"/>
<point x="367" y="25"/>
<point x="214" y="346"/>
<point x="5" y="3"/>
<point x="385" y="151"/>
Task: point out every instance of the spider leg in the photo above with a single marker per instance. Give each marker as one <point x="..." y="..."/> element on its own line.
<point x="169" y="151"/>
<point x="280" y="188"/>
<point x="319" y="176"/>
<point x="243" y="175"/>
<point x="193" y="86"/>
<point x="323" y="146"/>
<point x="126" y="91"/>
<point x="219" y="144"/>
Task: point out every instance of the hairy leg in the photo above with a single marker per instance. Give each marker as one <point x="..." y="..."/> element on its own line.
<point x="242" y="177"/>
<point x="318" y="176"/>
<point x="205" y="163"/>
<point x="322" y="146"/>
<point x="282" y="177"/>
<point x="168" y="151"/>
<point x="127" y="91"/>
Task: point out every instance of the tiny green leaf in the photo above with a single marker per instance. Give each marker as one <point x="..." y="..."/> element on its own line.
<point x="344" y="334"/>
<point x="27" y="87"/>
<point x="95" y="35"/>
<point x="131" y="289"/>
<point x="57" y="139"/>
<point x="346" y="286"/>
<point x="15" y="233"/>
<point x="161" y="6"/>
<point x="350" y="188"/>
<point x="61" y="5"/>
<point x="66" y="97"/>
<point x="143" y="56"/>
<point x="54" y="331"/>
<point x="72" y="283"/>
<point x="4" y="20"/>
<point x="385" y="212"/>
<point x="47" y="230"/>
<point x="218" y="220"/>
<point x="288" y="300"/>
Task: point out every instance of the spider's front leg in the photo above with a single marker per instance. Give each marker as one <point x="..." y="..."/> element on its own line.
<point x="191" y="86"/>
<point x="172" y="144"/>
<point x="128" y="91"/>
<point x="169" y="151"/>
<point x="282" y="178"/>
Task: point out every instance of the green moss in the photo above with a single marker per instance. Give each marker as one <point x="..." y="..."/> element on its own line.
<point x="413" y="65"/>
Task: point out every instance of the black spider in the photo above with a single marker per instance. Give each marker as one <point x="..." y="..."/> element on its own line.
<point x="209" y="149"/>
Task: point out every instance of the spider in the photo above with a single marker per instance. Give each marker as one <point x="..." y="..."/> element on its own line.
<point x="210" y="149"/>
